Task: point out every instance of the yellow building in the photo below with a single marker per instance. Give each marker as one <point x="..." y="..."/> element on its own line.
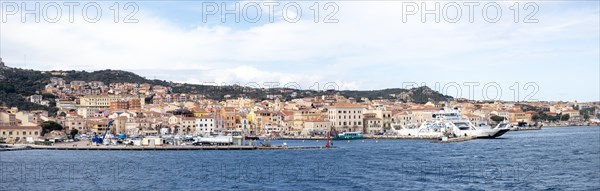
<point x="201" y="113"/>
<point x="421" y="115"/>
<point x="20" y="133"/>
<point x="519" y="116"/>
<point x="316" y="127"/>
<point x="373" y="125"/>
<point x="473" y="118"/>
<point x="99" y="126"/>
<point x="103" y="101"/>
<point x="573" y="114"/>
<point x="299" y="117"/>
<point x="229" y="117"/>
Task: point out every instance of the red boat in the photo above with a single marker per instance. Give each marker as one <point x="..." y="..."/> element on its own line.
<point x="253" y="138"/>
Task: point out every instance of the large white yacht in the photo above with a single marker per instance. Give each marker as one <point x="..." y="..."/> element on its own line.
<point x="449" y="122"/>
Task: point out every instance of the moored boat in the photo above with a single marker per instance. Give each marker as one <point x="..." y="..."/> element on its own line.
<point x="348" y="136"/>
<point x="449" y="122"/>
<point x="251" y="138"/>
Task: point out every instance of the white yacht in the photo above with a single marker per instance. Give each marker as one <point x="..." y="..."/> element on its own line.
<point x="450" y="122"/>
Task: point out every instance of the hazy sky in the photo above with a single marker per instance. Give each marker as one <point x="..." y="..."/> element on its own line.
<point x="369" y="47"/>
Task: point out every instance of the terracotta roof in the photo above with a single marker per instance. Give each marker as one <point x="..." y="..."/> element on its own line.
<point x="263" y="111"/>
<point x="470" y="115"/>
<point x="20" y="127"/>
<point x="421" y="108"/>
<point x="350" y="105"/>
<point x="317" y="120"/>
<point x="287" y="112"/>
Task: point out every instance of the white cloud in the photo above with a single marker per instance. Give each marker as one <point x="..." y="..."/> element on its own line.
<point x="369" y="48"/>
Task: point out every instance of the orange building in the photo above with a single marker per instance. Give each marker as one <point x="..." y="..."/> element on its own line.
<point x="118" y="105"/>
<point x="124" y="105"/>
<point x="134" y="104"/>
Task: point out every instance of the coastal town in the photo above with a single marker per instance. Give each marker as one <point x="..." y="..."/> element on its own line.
<point x="154" y="111"/>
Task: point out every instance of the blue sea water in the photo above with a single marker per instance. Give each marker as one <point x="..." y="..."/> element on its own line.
<point x="564" y="158"/>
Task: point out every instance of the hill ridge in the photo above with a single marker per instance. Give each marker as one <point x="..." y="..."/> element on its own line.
<point x="16" y="82"/>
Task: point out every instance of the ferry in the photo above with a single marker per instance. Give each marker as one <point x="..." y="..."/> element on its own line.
<point x="449" y="122"/>
<point x="348" y="136"/>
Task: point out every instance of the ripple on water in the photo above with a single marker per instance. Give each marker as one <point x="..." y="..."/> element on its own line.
<point x="553" y="158"/>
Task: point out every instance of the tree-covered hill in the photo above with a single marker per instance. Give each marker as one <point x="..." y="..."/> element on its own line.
<point x="16" y="84"/>
<point x="417" y="95"/>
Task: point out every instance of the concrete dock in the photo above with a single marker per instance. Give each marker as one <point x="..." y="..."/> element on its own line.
<point x="14" y="148"/>
<point x="159" y="148"/>
<point x="364" y="137"/>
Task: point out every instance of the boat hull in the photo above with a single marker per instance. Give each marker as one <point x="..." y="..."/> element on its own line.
<point x="347" y="137"/>
<point x="251" y="138"/>
<point x="490" y="134"/>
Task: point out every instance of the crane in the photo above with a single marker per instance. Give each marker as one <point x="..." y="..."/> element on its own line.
<point x="101" y="140"/>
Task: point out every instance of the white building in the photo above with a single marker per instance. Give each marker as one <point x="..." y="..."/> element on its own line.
<point x="86" y="112"/>
<point x="346" y="117"/>
<point x="36" y="99"/>
<point x="205" y="125"/>
<point x="66" y="105"/>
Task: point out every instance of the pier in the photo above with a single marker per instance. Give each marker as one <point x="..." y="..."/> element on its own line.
<point x="364" y="137"/>
<point x="13" y="148"/>
<point x="158" y="148"/>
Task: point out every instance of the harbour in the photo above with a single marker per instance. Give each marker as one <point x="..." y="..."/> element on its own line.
<point x="317" y="140"/>
<point x="528" y="159"/>
<point x="224" y="147"/>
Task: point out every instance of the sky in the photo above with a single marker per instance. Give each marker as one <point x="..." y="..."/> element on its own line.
<point x="548" y="51"/>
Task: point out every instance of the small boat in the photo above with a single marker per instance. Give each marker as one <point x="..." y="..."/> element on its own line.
<point x="251" y="138"/>
<point x="348" y="136"/>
